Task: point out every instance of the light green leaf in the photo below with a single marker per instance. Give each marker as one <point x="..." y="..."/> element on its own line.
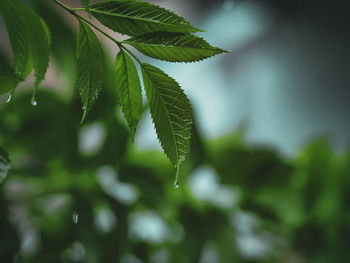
<point x="173" y="47"/>
<point x="136" y="17"/>
<point x="8" y="78"/>
<point x="90" y="65"/>
<point x="30" y="39"/>
<point x="128" y="90"/>
<point x="4" y="164"/>
<point x="171" y="113"/>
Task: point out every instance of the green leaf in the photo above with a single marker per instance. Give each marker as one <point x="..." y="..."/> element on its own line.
<point x="84" y="3"/>
<point x="128" y="90"/>
<point x="173" y="47"/>
<point x="29" y="37"/>
<point x="40" y="48"/>
<point x="8" y="78"/>
<point x="171" y="113"/>
<point x="4" y="164"/>
<point x="15" y="22"/>
<point x="136" y="18"/>
<point x="90" y="65"/>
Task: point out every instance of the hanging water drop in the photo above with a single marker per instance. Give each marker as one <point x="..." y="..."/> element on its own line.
<point x="10" y="95"/>
<point x="75" y="217"/>
<point x="33" y="100"/>
<point x="9" y="98"/>
<point x="176" y="182"/>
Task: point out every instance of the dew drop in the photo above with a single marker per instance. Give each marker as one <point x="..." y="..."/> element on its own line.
<point x="176" y="182"/>
<point x="34" y="102"/>
<point x="9" y="98"/>
<point x="10" y="95"/>
<point x="75" y="217"/>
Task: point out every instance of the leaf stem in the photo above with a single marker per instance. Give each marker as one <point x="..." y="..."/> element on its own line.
<point x="79" y="9"/>
<point x="79" y="17"/>
<point x="70" y="10"/>
<point x="132" y="54"/>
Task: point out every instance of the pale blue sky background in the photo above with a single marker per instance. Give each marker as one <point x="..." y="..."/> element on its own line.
<point x="280" y="82"/>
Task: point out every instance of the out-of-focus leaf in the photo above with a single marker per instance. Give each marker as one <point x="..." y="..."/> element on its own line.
<point x="8" y="78"/>
<point x="4" y="164"/>
<point x="90" y="66"/>
<point x="84" y="3"/>
<point x="136" y="18"/>
<point x="15" y="23"/>
<point x="30" y="39"/>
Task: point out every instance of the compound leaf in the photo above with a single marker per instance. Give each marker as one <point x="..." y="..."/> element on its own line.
<point x="89" y="58"/>
<point x="128" y="90"/>
<point x="173" y="47"/>
<point x="136" y="17"/>
<point x="171" y="113"/>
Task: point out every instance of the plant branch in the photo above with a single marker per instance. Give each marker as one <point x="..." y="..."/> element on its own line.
<point x="79" y="17"/>
<point x="132" y="54"/>
<point x="70" y="10"/>
<point x="79" y="9"/>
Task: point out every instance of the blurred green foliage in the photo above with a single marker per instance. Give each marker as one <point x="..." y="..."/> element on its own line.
<point x="61" y="203"/>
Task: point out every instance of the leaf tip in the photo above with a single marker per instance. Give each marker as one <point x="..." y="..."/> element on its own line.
<point x="84" y="115"/>
<point x="132" y="132"/>
<point x="200" y="30"/>
<point x="176" y="181"/>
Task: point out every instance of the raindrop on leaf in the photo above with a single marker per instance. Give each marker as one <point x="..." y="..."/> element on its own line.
<point x="75" y="218"/>
<point x="9" y="98"/>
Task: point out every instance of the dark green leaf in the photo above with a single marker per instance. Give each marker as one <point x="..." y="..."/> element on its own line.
<point x="173" y="47"/>
<point x="4" y="164"/>
<point x="136" y="18"/>
<point x="15" y="22"/>
<point x="8" y="78"/>
<point x="30" y="39"/>
<point x="171" y="113"/>
<point x="90" y="66"/>
<point x="84" y="3"/>
<point x="40" y="47"/>
<point x="63" y="37"/>
<point x="128" y="90"/>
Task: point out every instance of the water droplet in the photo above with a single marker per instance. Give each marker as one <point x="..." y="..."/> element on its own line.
<point x="176" y="182"/>
<point x="9" y="98"/>
<point x="10" y="95"/>
<point x="75" y="218"/>
<point x="34" y="102"/>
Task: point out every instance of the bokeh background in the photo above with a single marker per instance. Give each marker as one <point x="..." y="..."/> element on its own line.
<point x="268" y="177"/>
